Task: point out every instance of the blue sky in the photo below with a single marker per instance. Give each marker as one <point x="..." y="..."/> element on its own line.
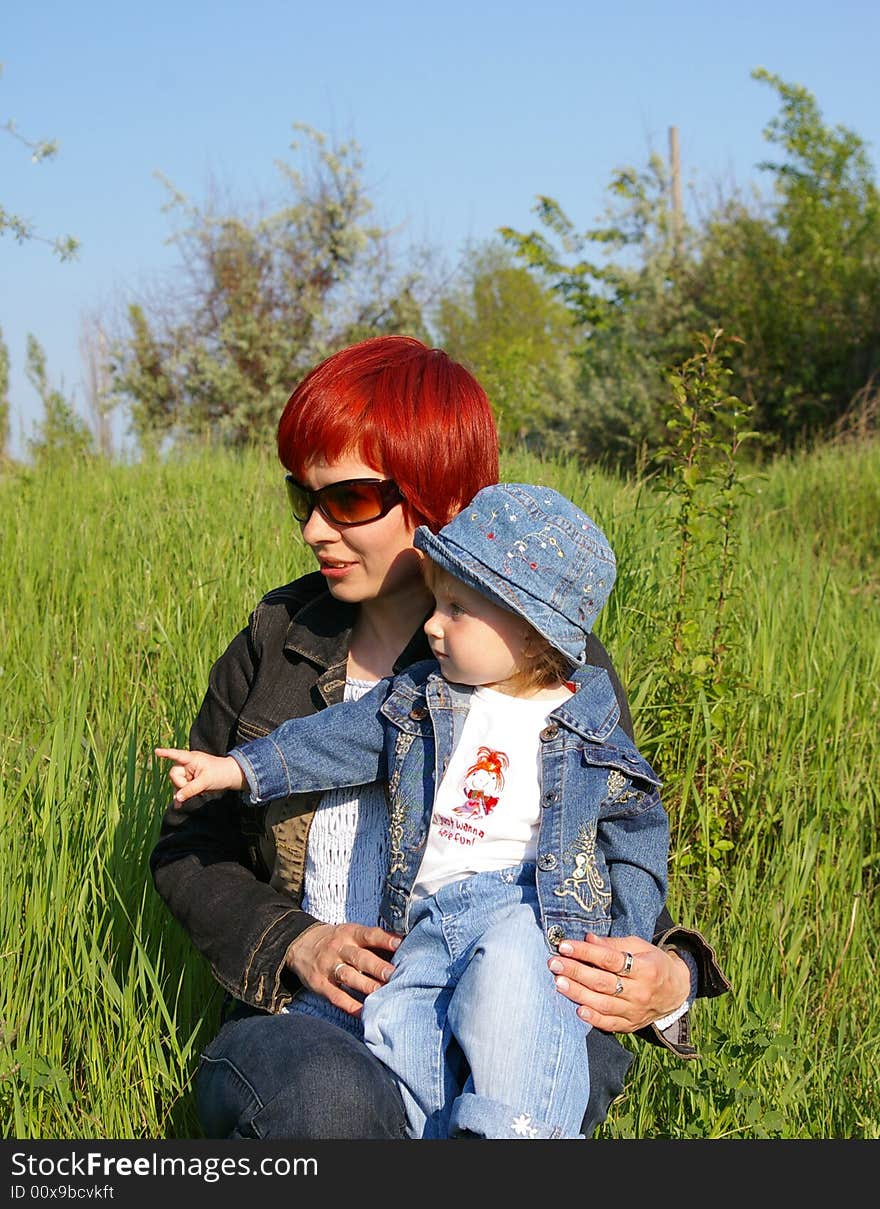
<point x="464" y="112"/>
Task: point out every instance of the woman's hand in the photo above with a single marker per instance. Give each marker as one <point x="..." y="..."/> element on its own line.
<point x="587" y="973"/>
<point x="334" y="959"/>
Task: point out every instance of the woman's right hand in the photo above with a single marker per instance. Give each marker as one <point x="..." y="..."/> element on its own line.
<point x="334" y="959"/>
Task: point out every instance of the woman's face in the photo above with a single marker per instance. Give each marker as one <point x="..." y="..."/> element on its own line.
<point x="362" y="562"/>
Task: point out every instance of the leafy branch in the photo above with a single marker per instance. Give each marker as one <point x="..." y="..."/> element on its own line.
<point x="65" y="247"/>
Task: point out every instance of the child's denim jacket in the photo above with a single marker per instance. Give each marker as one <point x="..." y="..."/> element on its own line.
<point x="603" y="836"/>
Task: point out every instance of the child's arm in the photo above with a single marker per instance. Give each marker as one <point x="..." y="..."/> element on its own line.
<point x="636" y="850"/>
<point x="196" y="772"/>
<point x="342" y="745"/>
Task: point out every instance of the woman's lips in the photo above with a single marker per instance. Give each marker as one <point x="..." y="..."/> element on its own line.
<point x="331" y="569"/>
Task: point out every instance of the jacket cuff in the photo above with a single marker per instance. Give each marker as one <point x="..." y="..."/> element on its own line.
<point x="711" y="981"/>
<point x="267" y="983"/>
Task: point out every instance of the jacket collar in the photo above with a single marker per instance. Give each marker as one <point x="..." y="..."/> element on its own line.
<point x="593" y="711"/>
<point x="321" y="632"/>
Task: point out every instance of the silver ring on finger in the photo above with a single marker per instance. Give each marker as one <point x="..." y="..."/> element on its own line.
<point x="335" y="974"/>
<point x="627" y="964"/>
<point x="618" y="990"/>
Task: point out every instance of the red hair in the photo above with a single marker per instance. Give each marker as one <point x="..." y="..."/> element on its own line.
<point x="411" y="411"/>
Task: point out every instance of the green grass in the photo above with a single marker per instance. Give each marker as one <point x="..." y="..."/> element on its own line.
<point x="121" y="584"/>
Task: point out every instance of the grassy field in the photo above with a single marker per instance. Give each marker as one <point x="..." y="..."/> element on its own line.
<point x="121" y="584"/>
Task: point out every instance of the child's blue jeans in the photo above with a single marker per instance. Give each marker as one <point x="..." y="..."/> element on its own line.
<point x="472" y="981"/>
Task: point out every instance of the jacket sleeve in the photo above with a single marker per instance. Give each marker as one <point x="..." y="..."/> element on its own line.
<point x="204" y="870"/>
<point x="343" y="745"/>
<point x="635" y="845"/>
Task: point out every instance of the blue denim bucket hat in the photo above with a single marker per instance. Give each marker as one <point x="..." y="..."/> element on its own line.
<point x="530" y="550"/>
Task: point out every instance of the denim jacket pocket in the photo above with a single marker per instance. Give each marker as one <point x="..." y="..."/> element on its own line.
<point x="631" y="784"/>
<point x="407" y="710"/>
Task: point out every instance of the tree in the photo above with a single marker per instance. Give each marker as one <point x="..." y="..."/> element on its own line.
<point x="60" y="432"/>
<point x="260" y="300"/>
<point x="519" y="340"/>
<point x="794" y="277"/>
<point x="99" y="399"/>
<point x="800" y="280"/>
<point x="621" y="283"/>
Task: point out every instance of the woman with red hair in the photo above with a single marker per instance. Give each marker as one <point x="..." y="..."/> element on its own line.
<point x="283" y="899"/>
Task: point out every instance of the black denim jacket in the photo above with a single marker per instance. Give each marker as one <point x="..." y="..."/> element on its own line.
<point x="232" y="874"/>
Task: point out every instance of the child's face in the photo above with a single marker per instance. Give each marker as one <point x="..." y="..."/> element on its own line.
<point x="475" y="641"/>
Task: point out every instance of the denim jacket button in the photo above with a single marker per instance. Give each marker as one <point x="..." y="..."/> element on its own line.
<point x="546" y="861"/>
<point x="555" y="934"/>
<point x="548" y="733"/>
<point x="418" y="712"/>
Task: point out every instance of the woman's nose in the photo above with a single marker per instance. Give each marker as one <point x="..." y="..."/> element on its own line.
<point x="318" y="529"/>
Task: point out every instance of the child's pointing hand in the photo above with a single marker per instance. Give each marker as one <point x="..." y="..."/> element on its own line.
<point x="196" y="772"/>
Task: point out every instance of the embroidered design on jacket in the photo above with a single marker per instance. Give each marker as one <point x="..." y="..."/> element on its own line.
<point x="483" y="783"/>
<point x="585" y="885"/>
<point x="617" y="783"/>
<point x="522" y="1126"/>
<point x="396" y="808"/>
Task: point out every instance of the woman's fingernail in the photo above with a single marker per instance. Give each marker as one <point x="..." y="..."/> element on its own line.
<point x="556" y="965"/>
<point x="585" y="1014"/>
<point x="562" y="983"/>
<point x="565" y="947"/>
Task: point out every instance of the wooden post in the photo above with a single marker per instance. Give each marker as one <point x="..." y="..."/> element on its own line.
<point x="675" y="187"/>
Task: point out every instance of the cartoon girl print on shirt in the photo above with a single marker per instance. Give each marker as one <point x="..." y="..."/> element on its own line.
<point x="483" y="783"/>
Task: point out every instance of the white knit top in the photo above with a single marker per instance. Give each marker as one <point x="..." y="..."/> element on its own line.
<point x="348" y="848"/>
<point x="346" y="861"/>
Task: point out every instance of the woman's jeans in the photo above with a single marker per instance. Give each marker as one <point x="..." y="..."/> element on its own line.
<point x="294" y="1076"/>
<point x="473" y="969"/>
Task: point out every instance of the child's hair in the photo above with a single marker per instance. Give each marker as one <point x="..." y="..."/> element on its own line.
<point x="542" y="665"/>
<point x="419" y="417"/>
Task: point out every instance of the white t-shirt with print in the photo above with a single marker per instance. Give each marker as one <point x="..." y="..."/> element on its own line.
<point x="488" y="804"/>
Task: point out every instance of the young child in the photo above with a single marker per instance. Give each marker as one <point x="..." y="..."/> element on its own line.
<point x="521" y="815"/>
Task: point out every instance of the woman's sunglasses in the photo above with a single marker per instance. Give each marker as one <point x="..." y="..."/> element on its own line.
<point x="349" y="502"/>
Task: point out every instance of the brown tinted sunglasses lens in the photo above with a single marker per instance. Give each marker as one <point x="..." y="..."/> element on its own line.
<point x="352" y="503"/>
<point x="348" y="503"/>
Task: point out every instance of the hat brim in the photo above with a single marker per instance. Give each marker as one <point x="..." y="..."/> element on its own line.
<point x="463" y="565"/>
